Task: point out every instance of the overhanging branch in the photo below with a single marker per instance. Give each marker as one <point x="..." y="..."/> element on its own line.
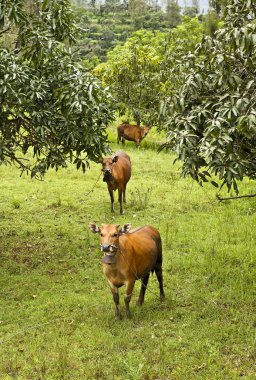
<point x="238" y="197"/>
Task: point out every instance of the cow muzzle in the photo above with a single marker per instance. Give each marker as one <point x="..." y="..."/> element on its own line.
<point x="108" y="248"/>
<point x="109" y="253"/>
<point x="107" y="176"/>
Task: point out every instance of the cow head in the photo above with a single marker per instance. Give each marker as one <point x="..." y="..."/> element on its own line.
<point x="109" y="239"/>
<point x="145" y="131"/>
<point x="107" y="165"/>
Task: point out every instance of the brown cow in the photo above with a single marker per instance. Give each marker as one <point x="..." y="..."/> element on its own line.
<point x="129" y="256"/>
<point x="117" y="172"/>
<point x="129" y="132"/>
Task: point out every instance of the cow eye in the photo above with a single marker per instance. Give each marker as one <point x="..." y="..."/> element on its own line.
<point x="115" y="234"/>
<point x="101" y="234"/>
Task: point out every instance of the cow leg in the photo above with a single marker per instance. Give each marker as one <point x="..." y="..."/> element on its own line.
<point x="115" y="294"/>
<point x="124" y="194"/>
<point x="123" y="140"/>
<point x="128" y="296"/>
<point x="120" y="195"/>
<point x="159" y="275"/>
<point x="111" y="193"/>
<point x="144" y="282"/>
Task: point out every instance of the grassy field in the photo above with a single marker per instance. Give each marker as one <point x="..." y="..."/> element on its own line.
<point x="56" y="311"/>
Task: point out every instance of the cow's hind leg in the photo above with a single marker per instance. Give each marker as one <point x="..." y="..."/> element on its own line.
<point x="118" y="137"/>
<point x="159" y="275"/>
<point x="158" y="269"/>
<point x="128" y="296"/>
<point x="144" y="282"/>
<point x="124" y="194"/>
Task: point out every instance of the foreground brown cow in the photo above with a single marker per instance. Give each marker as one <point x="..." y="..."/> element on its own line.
<point x="129" y="132"/>
<point x="129" y="256"/>
<point x="117" y="172"/>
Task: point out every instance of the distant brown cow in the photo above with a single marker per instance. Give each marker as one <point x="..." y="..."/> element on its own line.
<point x="117" y="172"/>
<point x="129" y="132"/>
<point x="129" y="256"/>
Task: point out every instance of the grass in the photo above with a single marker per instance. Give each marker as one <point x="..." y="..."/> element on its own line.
<point x="56" y="311"/>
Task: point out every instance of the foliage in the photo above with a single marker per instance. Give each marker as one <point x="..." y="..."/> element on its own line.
<point x="47" y="102"/>
<point x="212" y="118"/>
<point x="110" y="24"/>
<point x="173" y="13"/>
<point x="218" y="5"/>
<point x="139" y="72"/>
<point x="181" y="41"/>
<point x="132" y="72"/>
<point x="193" y="10"/>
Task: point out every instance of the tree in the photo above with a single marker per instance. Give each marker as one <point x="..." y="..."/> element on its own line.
<point x="49" y="105"/>
<point x="137" y="7"/>
<point x="218" y="6"/>
<point x="173" y="15"/>
<point x="193" y="10"/>
<point x="212" y="116"/>
<point x="139" y="73"/>
<point x="132" y="72"/>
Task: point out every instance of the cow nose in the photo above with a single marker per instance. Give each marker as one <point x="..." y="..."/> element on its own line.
<point x="105" y="247"/>
<point x="106" y="175"/>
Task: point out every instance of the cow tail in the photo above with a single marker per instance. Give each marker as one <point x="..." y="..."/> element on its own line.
<point x="159" y="259"/>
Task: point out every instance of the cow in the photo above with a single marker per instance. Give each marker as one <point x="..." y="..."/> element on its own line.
<point x="116" y="173"/>
<point x="129" y="255"/>
<point x="129" y="132"/>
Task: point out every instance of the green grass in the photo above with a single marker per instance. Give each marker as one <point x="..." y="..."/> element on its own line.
<point x="56" y="311"/>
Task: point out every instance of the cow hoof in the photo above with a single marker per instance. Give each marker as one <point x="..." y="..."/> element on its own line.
<point x="139" y="303"/>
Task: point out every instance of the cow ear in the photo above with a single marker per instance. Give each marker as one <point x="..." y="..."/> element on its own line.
<point x="94" y="228"/>
<point x="115" y="159"/>
<point x="125" y="229"/>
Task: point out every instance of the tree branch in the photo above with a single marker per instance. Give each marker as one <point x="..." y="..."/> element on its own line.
<point x="5" y="30"/>
<point x="238" y="197"/>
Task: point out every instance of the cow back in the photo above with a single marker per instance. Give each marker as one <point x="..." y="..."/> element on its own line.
<point x="122" y="168"/>
<point x="131" y="132"/>
<point x="141" y="248"/>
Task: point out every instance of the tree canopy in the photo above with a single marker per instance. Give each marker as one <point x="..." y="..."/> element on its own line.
<point x="212" y="116"/>
<point x="49" y="105"/>
<point x="139" y="72"/>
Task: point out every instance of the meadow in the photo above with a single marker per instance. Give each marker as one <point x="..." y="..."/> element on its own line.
<point x="56" y="310"/>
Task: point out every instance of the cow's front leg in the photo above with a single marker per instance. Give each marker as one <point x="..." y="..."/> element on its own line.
<point x="111" y="193"/>
<point x="115" y="294"/>
<point x="120" y="196"/>
<point x="128" y="296"/>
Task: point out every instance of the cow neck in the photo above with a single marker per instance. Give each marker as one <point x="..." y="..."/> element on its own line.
<point x="120" y="251"/>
